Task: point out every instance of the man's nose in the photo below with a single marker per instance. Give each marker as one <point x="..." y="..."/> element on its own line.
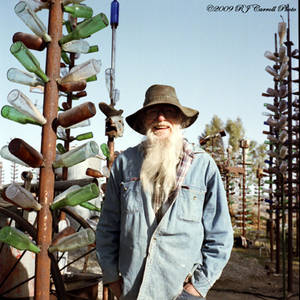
<point x="161" y="116"/>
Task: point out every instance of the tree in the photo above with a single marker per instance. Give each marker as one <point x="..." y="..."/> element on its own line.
<point x="236" y="132"/>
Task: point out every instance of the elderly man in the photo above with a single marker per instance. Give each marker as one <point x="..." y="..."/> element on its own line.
<point x="164" y="231"/>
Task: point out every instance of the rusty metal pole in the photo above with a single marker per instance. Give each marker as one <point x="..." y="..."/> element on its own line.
<point x="243" y="191"/>
<point x="42" y="271"/>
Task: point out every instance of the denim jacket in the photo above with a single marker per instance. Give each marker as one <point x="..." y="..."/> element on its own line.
<point x="193" y="239"/>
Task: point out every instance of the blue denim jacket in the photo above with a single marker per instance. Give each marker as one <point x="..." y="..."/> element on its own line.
<point x="194" y="238"/>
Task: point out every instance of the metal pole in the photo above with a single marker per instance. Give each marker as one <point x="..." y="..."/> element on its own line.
<point x="44" y="234"/>
<point x="289" y="44"/>
<point x="244" y="194"/>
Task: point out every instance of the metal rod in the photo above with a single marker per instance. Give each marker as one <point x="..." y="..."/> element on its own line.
<point x="48" y="150"/>
<point x="290" y="172"/>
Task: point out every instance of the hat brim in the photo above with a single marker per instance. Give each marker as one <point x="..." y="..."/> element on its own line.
<point x="136" y="120"/>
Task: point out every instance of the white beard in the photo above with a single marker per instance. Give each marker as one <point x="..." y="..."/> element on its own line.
<point x="158" y="172"/>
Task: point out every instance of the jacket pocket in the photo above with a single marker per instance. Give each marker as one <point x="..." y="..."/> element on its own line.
<point x="191" y="201"/>
<point x="131" y="199"/>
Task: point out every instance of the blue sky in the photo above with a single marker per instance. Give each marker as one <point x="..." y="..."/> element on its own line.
<point x="214" y="59"/>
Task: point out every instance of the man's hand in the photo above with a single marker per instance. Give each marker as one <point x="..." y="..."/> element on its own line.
<point x="191" y="290"/>
<point x="116" y="287"/>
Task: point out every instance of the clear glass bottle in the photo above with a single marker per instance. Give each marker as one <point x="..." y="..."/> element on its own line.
<point x="86" y="28"/>
<point x="76" y="46"/>
<point x="29" y="17"/>
<point x="79" y="11"/>
<point x="76" y="196"/>
<point x="23" y="104"/>
<point x="26" y="153"/>
<point x="66" y="2"/>
<point x="18" y="76"/>
<point x="77" y="155"/>
<point x="21" y="197"/>
<point x="74" y="241"/>
<point x="17" y="239"/>
<point x="13" y="114"/>
<point x="28" y="60"/>
<point x="5" y="153"/>
<point x="83" y="71"/>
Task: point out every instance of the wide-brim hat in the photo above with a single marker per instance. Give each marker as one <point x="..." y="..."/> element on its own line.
<point x="161" y="94"/>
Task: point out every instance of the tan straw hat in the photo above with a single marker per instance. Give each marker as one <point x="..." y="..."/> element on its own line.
<point x="161" y="94"/>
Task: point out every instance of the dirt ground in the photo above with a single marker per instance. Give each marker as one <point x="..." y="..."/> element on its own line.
<point x="248" y="276"/>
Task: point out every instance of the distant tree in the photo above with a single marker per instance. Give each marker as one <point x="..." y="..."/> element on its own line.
<point x="214" y="144"/>
<point x="236" y="132"/>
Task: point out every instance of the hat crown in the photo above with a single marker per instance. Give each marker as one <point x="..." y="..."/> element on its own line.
<point x="159" y="93"/>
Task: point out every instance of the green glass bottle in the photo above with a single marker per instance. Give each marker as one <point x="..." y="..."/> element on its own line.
<point x="61" y="149"/>
<point x="92" y="78"/>
<point x="93" y="48"/>
<point x="79" y="11"/>
<point x="84" y="136"/>
<point x="12" y="114"/>
<point x="28" y="60"/>
<point x="17" y="239"/>
<point x="90" y="206"/>
<point x="78" y="196"/>
<point x="86" y="28"/>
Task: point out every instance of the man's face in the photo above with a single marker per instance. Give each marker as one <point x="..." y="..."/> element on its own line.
<point x="161" y="118"/>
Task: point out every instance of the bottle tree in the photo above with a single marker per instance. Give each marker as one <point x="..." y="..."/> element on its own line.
<point x="52" y="39"/>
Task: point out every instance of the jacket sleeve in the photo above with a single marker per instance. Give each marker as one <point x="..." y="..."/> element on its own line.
<point x="108" y="229"/>
<point x="218" y="235"/>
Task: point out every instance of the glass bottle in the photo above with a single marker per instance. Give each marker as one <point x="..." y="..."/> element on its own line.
<point x="79" y="95"/>
<point x="74" y="241"/>
<point x="90" y="206"/>
<point x="65" y="232"/>
<point x="26" y="153"/>
<point x="83" y="71"/>
<point x="271" y="107"/>
<point x="29" y="17"/>
<point x="61" y="149"/>
<point x="271" y="56"/>
<point x="77" y="196"/>
<point x="77" y="155"/>
<point x="31" y="41"/>
<point x="65" y="58"/>
<point x="13" y="114"/>
<point x="93" y="48"/>
<point x="91" y="78"/>
<point x="79" y="11"/>
<point x="21" y="197"/>
<point x="72" y="86"/>
<point x="105" y="150"/>
<point x="271" y="71"/>
<point x="5" y="153"/>
<point x="83" y="136"/>
<point x="23" y="104"/>
<point x="76" y="114"/>
<point x="86" y="28"/>
<point x="17" y="239"/>
<point x="28" y="60"/>
<point x="22" y="77"/>
<point x="97" y="174"/>
<point x="281" y="32"/>
<point x="76" y="46"/>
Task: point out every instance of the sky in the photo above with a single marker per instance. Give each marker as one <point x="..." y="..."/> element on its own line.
<point x="213" y="56"/>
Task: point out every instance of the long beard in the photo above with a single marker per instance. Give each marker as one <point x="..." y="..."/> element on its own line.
<point x="158" y="172"/>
